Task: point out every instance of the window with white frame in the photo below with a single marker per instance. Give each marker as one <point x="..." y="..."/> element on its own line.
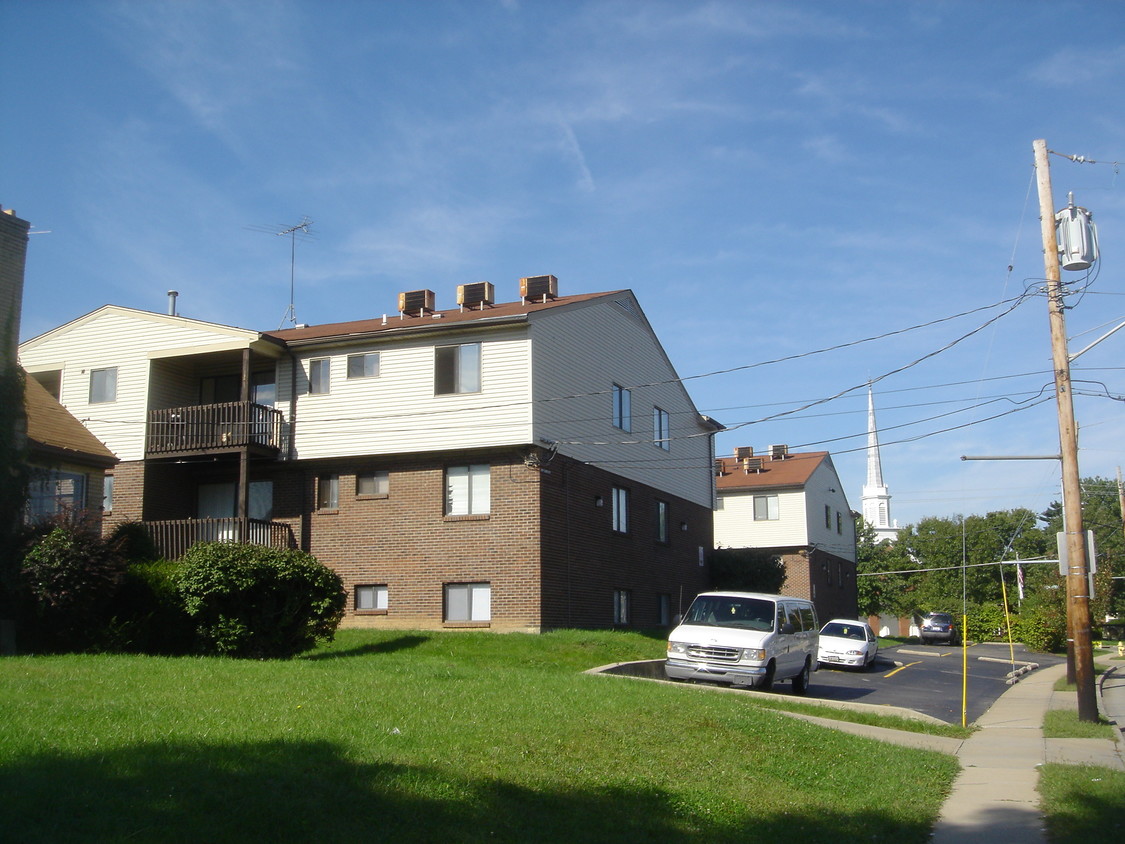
<point x="319" y="375"/>
<point x="620" y="606"/>
<point x="107" y="494"/>
<point x="661" y="429"/>
<point x="468" y="601"/>
<point x="372" y="483"/>
<point x="103" y="385"/>
<point x="765" y="508"/>
<point x="661" y="521"/>
<point x="365" y="365"/>
<point x="371" y="598"/>
<point x="52" y="493"/>
<point x="620" y="509"/>
<point x="457" y="369"/>
<point x="468" y="490"/>
<point x="328" y="492"/>
<point x="622" y="408"/>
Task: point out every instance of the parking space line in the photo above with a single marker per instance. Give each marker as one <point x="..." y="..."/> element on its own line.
<point x="892" y="673"/>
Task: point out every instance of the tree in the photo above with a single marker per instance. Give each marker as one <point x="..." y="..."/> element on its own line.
<point x="747" y="570"/>
<point x="1101" y="513"/>
<point x="878" y="590"/>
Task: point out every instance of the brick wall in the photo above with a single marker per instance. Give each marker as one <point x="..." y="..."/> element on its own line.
<point x="825" y="579"/>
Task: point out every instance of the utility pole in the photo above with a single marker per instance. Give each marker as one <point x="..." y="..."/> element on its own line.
<point x="1077" y="580"/>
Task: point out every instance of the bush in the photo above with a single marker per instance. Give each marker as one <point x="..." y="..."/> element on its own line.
<point x="70" y="576"/>
<point x="986" y="624"/>
<point x="134" y="542"/>
<point x="1042" y="627"/>
<point x="147" y="613"/>
<point x="250" y="601"/>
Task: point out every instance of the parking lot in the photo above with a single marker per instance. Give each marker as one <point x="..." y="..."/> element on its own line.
<point x="928" y="679"/>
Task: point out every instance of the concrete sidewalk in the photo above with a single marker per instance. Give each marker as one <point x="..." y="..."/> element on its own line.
<point x="995" y="798"/>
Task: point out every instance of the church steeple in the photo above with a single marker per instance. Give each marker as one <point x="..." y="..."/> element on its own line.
<point x="876" y="499"/>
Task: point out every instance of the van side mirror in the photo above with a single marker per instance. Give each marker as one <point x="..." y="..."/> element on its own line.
<point x="787" y="628"/>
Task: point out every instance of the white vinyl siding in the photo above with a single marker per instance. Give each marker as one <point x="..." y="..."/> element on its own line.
<point x="142" y="346"/>
<point x="580" y="352"/>
<point x="398" y="411"/>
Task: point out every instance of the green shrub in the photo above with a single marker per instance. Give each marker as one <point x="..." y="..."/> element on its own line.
<point x="134" y="542"/>
<point x="1042" y="627"/>
<point x="986" y="623"/>
<point x="70" y="577"/>
<point x="250" y="601"/>
<point x="148" y="614"/>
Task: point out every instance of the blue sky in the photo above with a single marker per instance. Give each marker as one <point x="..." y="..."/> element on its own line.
<point x="772" y="179"/>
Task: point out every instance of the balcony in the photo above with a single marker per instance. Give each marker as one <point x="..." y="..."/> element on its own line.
<point x="173" y="538"/>
<point x="231" y="426"/>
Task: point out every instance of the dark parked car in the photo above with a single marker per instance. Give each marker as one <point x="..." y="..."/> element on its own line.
<point x="938" y="627"/>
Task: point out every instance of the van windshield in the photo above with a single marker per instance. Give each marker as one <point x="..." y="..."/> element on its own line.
<point x="729" y="611"/>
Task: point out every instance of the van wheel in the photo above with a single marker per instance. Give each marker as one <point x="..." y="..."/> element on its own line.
<point x="766" y="683"/>
<point x="801" y="681"/>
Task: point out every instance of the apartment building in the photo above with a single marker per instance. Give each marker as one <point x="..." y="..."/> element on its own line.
<point x="510" y="466"/>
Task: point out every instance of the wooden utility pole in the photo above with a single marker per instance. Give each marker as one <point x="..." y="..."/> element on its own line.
<point x="1077" y="580"/>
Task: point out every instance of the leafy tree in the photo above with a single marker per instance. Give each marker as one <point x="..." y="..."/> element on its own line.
<point x="879" y="591"/>
<point x="250" y="601"/>
<point x="1101" y="513"/>
<point x="748" y="570"/>
<point x="13" y="477"/>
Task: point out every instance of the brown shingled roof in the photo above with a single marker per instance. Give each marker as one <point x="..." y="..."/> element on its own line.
<point x="435" y="320"/>
<point x="791" y="471"/>
<point x="53" y="431"/>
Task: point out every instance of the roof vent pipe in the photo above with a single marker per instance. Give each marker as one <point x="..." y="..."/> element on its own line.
<point x="172" y="294"/>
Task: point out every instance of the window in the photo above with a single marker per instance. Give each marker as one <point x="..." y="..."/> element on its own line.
<point x="328" y="492"/>
<point x="372" y="483"/>
<point x="620" y="606"/>
<point x="839" y="523"/>
<point x="661" y="428"/>
<point x="620" y="509"/>
<point x="661" y="521"/>
<point x="457" y="369"/>
<point x="55" y="493"/>
<point x="107" y="493"/>
<point x="468" y="601"/>
<point x="468" y="490"/>
<point x="103" y="385"/>
<point x="828" y="517"/>
<point x="319" y="371"/>
<point x="622" y="408"/>
<point x="765" y="508"/>
<point x="665" y="609"/>
<point x="371" y="598"/>
<point x="363" y="366"/>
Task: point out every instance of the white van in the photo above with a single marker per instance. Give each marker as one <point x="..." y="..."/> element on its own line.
<point x="746" y="639"/>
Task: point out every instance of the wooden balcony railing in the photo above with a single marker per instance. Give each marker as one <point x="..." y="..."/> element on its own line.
<point x="211" y="427"/>
<point x="173" y="538"/>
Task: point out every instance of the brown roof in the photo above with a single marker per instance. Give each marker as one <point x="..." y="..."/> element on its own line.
<point x="435" y="320"/>
<point x="52" y="431"/>
<point x="791" y="471"/>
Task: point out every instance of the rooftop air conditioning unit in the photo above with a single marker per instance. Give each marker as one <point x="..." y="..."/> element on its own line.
<point x="779" y="452"/>
<point x="416" y="301"/>
<point x="481" y="293"/>
<point x="719" y="468"/>
<point x="541" y="287"/>
<point x="742" y="452"/>
<point x="751" y="464"/>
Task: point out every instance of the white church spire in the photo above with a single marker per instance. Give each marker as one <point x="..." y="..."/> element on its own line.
<point x="876" y="499"/>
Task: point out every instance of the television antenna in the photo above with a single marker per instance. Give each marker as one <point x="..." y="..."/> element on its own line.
<point x="302" y="228"/>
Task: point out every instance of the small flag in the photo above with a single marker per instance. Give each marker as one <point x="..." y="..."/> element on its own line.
<point x="1019" y="579"/>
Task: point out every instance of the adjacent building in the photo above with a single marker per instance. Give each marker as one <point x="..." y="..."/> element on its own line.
<point x="513" y="466"/>
<point x="792" y="505"/>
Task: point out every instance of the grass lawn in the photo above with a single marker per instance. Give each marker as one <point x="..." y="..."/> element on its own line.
<point x="1064" y="723"/>
<point x="1084" y="804"/>
<point x="414" y="736"/>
